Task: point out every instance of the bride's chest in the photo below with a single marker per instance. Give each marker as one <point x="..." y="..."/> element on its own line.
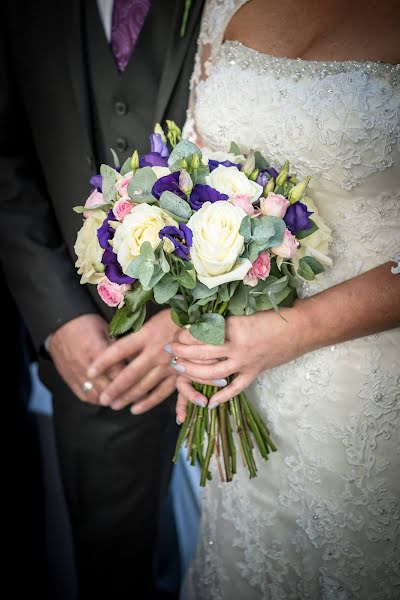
<point x="338" y="120"/>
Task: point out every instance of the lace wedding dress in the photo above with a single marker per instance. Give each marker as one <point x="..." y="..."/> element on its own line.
<point x="322" y="519"/>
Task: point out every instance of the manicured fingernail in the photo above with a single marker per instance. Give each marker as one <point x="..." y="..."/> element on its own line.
<point x="200" y="402"/>
<point x="135" y="409"/>
<point x="213" y="405"/>
<point x="168" y="349"/>
<point x="179" y="368"/>
<point x="104" y="399"/>
<point x="91" y="372"/>
<point x="178" y="421"/>
<point x="220" y="382"/>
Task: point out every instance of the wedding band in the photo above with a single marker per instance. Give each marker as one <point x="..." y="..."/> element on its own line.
<point x="87" y="386"/>
<point x="172" y="362"/>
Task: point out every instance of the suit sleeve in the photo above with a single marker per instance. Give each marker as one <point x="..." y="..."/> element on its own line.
<point x="37" y="267"/>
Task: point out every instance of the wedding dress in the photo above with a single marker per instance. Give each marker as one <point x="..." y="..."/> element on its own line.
<point x="322" y="519"/>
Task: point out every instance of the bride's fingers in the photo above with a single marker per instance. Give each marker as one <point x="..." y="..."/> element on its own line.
<point x="186" y="389"/>
<point x="236" y="386"/>
<point x="215" y="373"/>
<point x="197" y="352"/>
<point x="181" y="409"/>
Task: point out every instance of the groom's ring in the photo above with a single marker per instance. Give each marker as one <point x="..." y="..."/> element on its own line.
<point x="87" y="386"/>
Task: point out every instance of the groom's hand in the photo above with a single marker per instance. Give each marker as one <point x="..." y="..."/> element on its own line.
<point x="148" y="378"/>
<point x="74" y="346"/>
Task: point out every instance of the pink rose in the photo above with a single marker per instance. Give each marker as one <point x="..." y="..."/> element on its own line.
<point x="260" y="269"/>
<point x="112" y="294"/>
<point x="288" y="247"/>
<point x="274" y="205"/>
<point x="94" y="199"/>
<point x="122" y="208"/>
<point x="244" y="202"/>
<point x="122" y="185"/>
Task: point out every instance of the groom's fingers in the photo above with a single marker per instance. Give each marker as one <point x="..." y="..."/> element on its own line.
<point x="141" y="388"/>
<point x="113" y="354"/>
<point x="156" y="396"/>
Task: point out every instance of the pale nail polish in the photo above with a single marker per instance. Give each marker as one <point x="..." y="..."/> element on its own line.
<point x="168" y="349"/>
<point x="213" y="405"/>
<point x="91" y="372"/>
<point x="180" y="368"/>
<point x="178" y="421"/>
<point x="200" y="402"/>
<point x="104" y="399"/>
<point x="220" y="382"/>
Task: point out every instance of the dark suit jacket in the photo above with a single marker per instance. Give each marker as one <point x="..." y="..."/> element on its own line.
<point x="46" y="154"/>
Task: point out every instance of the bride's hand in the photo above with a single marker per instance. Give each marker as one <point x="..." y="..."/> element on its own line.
<point x="253" y="344"/>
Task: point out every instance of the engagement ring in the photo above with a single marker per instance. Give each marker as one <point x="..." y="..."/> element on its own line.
<point x="87" y="386"/>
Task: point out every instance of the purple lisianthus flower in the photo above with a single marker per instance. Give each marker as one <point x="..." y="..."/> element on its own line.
<point x="106" y="232"/>
<point x="296" y="218"/>
<point x="213" y="164"/>
<point x="168" y="183"/>
<point x="113" y="269"/>
<point x="272" y="172"/>
<point x="204" y="193"/>
<point x="157" y="145"/>
<point x="263" y="177"/>
<point x="181" y="237"/>
<point x="97" y="182"/>
<point x="153" y="159"/>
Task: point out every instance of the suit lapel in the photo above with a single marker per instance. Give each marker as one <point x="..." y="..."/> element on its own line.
<point x="176" y="52"/>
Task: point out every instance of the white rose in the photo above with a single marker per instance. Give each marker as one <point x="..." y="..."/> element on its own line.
<point x="222" y="157"/>
<point x="161" y="171"/>
<point x="316" y="244"/>
<point x="217" y="243"/>
<point x="141" y="225"/>
<point x="231" y="181"/>
<point x="88" y="249"/>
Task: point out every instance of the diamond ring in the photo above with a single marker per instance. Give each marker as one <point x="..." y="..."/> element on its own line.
<point x="87" y="386"/>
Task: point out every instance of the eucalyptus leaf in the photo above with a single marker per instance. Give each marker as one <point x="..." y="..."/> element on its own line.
<point x="239" y="300"/>
<point x="165" y="289"/>
<point x="253" y="250"/>
<point x="82" y="209"/>
<point x="262" y="230"/>
<point x="121" y="322"/>
<point x="261" y="163"/>
<point x="134" y="267"/>
<point x="109" y="178"/>
<point x="306" y="274"/>
<point x="145" y="273"/>
<point x="126" y="167"/>
<point x="146" y="250"/>
<point x="279" y="226"/>
<point x="272" y="300"/>
<point x="234" y="149"/>
<point x="245" y="229"/>
<point x="115" y="158"/>
<point x="199" y="175"/>
<point x="178" y="303"/>
<point x="194" y="313"/>
<point x="312" y="263"/>
<point x="175" y="205"/>
<point x="292" y="281"/>
<point x="140" y="317"/>
<point x="223" y="293"/>
<point x="210" y="329"/>
<point x="201" y="291"/>
<point x="158" y="274"/>
<point x="182" y="151"/>
<point x="179" y="317"/>
<point x="137" y="297"/>
<point x="187" y="280"/>
<point x="164" y="264"/>
<point x="141" y="184"/>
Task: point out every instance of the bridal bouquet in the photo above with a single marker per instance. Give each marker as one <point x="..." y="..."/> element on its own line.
<point x="213" y="236"/>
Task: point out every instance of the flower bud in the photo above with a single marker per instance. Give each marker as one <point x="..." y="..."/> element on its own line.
<point x="114" y="224"/>
<point x="293" y="180"/>
<point x="135" y="161"/>
<point x="249" y="164"/>
<point x="269" y="187"/>
<point x="174" y="133"/>
<point x="254" y="175"/>
<point x="184" y="164"/>
<point x="168" y="246"/>
<point x="158" y="129"/>
<point x="284" y="172"/>
<point x="298" y="191"/>
<point x="185" y="182"/>
<point x="195" y="161"/>
<point x="99" y="267"/>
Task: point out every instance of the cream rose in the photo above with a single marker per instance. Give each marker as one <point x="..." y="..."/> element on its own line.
<point x="316" y="244"/>
<point x="231" y="181"/>
<point x="88" y="249"/>
<point x="217" y="243"/>
<point x="141" y="225"/>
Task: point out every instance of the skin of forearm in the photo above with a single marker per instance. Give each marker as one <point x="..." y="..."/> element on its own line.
<point x="364" y="305"/>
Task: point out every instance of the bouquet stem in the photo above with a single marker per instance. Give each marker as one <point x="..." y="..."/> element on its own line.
<point x="247" y="424"/>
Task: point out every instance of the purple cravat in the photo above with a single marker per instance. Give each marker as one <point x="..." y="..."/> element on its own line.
<point x="127" y="21"/>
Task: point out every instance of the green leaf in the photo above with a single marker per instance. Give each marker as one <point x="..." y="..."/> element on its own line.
<point x="279" y="226"/>
<point x="199" y="175"/>
<point x="165" y="289"/>
<point x="178" y="303"/>
<point x="179" y="208"/>
<point x="194" y="313"/>
<point x="179" y="318"/>
<point x="312" y="263"/>
<point x="164" y="264"/>
<point x="223" y="293"/>
<point x="126" y="167"/>
<point x="187" y="279"/>
<point x="146" y="250"/>
<point x="239" y="300"/>
<point x="121" y="322"/>
<point x="272" y="300"/>
<point x="109" y="178"/>
<point x="183" y="151"/>
<point x="306" y="274"/>
<point x="146" y="273"/>
<point x="115" y="158"/>
<point x="253" y="250"/>
<point x="137" y="297"/>
<point x="292" y="281"/>
<point x="300" y="235"/>
<point x="201" y="291"/>
<point x="262" y="230"/>
<point x="155" y="278"/>
<point x="82" y="209"/>
<point x="141" y="184"/>
<point x="234" y="149"/>
<point x="245" y="228"/>
<point x="134" y="267"/>
<point x="210" y="329"/>
<point x="140" y="316"/>
<point x="261" y="163"/>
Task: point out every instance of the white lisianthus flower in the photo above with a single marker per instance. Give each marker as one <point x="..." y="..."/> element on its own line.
<point x="231" y="181"/>
<point x="161" y="171"/>
<point x="141" y="225"/>
<point x="217" y="243"/>
<point x="221" y="156"/>
<point x="88" y="249"/>
<point x="316" y="244"/>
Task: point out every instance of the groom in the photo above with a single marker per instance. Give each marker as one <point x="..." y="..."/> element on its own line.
<point x="76" y="78"/>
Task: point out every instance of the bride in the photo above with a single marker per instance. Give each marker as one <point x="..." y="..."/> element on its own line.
<point x="317" y="83"/>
